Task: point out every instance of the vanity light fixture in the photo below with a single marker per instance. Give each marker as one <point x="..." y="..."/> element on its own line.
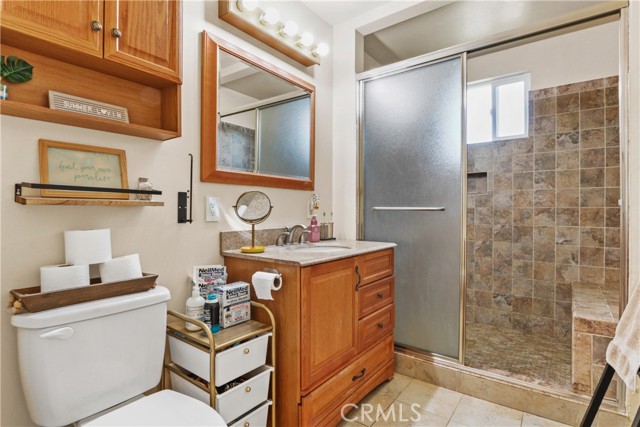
<point x="265" y="25"/>
<point x="271" y="16"/>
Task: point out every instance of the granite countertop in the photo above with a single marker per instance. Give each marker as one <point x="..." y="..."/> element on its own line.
<point x="292" y="254"/>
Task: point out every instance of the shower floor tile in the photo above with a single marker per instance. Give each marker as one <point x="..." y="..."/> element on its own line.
<point x="538" y="359"/>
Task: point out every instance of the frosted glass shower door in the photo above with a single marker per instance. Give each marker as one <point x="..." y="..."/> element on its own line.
<point x="411" y="169"/>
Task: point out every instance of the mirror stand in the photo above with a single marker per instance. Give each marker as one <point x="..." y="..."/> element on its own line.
<point x="253" y="207"/>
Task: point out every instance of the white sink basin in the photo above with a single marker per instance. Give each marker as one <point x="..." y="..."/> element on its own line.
<point x="322" y="248"/>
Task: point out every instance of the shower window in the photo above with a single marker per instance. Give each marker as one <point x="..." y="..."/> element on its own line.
<point x="498" y="109"/>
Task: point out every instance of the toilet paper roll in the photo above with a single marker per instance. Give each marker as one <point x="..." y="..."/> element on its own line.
<point x="87" y="246"/>
<point x="62" y="276"/>
<point x="264" y="283"/>
<point x="122" y="268"/>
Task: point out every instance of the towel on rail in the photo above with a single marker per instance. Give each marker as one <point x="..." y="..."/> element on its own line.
<point x="623" y="353"/>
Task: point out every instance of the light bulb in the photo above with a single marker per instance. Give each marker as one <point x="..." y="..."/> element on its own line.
<point x="306" y="39"/>
<point x="289" y="29"/>
<point x="271" y="16"/>
<point x="247" y="5"/>
<point x="322" y="49"/>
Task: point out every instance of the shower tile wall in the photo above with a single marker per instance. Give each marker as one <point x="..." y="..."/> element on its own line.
<point x="543" y="211"/>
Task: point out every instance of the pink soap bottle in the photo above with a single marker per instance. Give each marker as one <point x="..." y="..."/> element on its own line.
<point x="314" y="230"/>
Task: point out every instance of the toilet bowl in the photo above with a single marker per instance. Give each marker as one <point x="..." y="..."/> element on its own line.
<point x="85" y="363"/>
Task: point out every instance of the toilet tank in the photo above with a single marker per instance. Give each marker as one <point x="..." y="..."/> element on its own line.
<point x="78" y="360"/>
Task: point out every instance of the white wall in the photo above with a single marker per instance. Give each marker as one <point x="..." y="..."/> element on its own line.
<point x="568" y="58"/>
<point x="33" y="235"/>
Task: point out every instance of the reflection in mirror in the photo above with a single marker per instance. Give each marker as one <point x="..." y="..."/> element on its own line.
<point x="263" y="134"/>
<point x="264" y="121"/>
<point x="253" y="207"/>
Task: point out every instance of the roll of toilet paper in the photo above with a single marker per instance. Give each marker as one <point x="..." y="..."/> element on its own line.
<point x="62" y="276"/>
<point x="87" y="246"/>
<point x="264" y="283"/>
<point x="121" y="268"/>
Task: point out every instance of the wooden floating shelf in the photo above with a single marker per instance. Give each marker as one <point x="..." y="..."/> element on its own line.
<point x="31" y="200"/>
<point x="36" y="112"/>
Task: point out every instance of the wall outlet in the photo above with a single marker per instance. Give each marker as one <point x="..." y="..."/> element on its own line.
<point x="212" y="209"/>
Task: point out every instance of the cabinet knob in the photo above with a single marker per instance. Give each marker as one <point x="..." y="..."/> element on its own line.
<point x="246" y="351"/>
<point x="380" y="295"/>
<point x="381" y="325"/>
<point x="247" y="424"/>
<point x="116" y="33"/>
<point x="96" y="26"/>
<point x="248" y="389"/>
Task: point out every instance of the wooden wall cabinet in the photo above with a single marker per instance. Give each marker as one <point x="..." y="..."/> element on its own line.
<point x="122" y="52"/>
<point x="335" y="342"/>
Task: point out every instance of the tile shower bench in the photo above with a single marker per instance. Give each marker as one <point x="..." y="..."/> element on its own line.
<point x="595" y="316"/>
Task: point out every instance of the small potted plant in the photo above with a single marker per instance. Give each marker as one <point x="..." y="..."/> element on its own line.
<point x="14" y="70"/>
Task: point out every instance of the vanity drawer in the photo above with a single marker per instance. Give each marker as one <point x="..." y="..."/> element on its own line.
<point x="375" y="266"/>
<point x="241" y="359"/>
<point x="325" y="400"/>
<point x="245" y="396"/>
<point x="375" y="326"/>
<point x="375" y="296"/>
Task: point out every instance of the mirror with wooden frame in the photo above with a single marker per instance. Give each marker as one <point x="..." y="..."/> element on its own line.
<point x="257" y="121"/>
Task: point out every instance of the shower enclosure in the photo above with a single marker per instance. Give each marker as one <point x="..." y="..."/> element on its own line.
<point x="504" y="243"/>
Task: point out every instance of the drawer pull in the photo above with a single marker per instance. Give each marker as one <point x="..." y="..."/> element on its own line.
<point x="246" y="351"/>
<point x="359" y="279"/>
<point x="360" y="375"/>
<point x="380" y="295"/>
<point x="247" y="424"/>
<point x="248" y="389"/>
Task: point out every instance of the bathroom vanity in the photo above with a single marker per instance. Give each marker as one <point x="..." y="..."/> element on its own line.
<point x="335" y="317"/>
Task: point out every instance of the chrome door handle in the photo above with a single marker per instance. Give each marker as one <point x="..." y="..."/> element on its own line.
<point x="408" y="208"/>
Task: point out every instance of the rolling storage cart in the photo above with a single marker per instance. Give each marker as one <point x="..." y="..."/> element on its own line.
<point x="228" y="370"/>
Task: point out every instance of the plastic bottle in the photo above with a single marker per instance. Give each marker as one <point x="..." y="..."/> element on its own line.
<point x="195" y="309"/>
<point x="212" y="313"/>
<point x="314" y="234"/>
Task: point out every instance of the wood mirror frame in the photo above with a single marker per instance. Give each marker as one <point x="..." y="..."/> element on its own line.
<point x="209" y="171"/>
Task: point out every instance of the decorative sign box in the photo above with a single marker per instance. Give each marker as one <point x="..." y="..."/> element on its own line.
<point x="89" y="107"/>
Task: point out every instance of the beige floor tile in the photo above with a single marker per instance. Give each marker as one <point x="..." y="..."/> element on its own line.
<point x="431" y="398"/>
<point x="530" y="420"/>
<point x="381" y="397"/>
<point x="476" y="412"/>
<point x="403" y="415"/>
<point x="345" y="423"/>
<point x="455" y="424"/>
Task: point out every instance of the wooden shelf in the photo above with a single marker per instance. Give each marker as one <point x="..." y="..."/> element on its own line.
<point x="31" y="200"/>
<point x="154" y="112"/>
<point x="226" y="337"/>
<point x="36" y="112"/>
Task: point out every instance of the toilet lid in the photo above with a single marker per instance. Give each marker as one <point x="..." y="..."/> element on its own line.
<point x="165" y="408"/>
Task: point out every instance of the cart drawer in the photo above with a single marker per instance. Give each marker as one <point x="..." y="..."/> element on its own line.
<point x="239" y="360"/>
<point x="256" y="418"/>
<point x="245" y="396"/>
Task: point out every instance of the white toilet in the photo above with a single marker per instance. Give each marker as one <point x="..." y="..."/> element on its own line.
<point x="89" y="363"/>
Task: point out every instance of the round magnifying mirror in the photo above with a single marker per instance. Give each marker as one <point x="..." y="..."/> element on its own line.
<point x="253" y="207"/>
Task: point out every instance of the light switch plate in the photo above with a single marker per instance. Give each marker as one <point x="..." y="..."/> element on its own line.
<point x="212" y="209"/>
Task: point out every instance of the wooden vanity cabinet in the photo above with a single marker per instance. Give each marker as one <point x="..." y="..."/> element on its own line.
<point x="335" y="339"/>
<point x="133" y="36"/>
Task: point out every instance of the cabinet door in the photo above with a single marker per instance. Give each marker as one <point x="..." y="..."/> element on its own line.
<point x="144" y="34"/>
<point x="329" y="311"/>
<point x="64" y="23"/>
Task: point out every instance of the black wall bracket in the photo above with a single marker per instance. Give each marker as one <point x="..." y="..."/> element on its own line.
<point x="182" y="200"/>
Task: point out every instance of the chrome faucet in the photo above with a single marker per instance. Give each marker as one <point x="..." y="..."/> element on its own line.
<point x="292" y="232"/>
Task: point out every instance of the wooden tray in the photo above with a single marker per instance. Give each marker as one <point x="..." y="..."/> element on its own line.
<point x="32" y="300"/>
